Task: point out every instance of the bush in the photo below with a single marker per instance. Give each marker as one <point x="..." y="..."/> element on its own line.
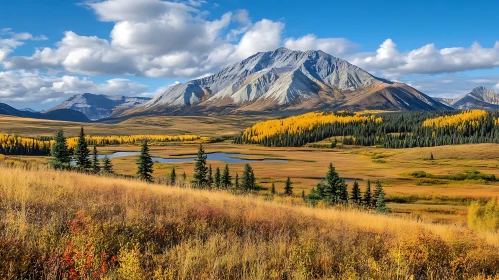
<point x="484" y="216"/>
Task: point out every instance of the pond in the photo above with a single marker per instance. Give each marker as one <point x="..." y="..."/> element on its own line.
<point x="226" y="157"/>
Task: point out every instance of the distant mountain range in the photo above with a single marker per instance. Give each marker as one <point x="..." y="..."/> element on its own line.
<point x="478" y="98"/>
<point x="287" y="80"/>
<point x="98" y="106"/>
<point x="59" y="115"/>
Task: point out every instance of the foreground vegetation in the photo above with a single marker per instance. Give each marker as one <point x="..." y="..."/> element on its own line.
<point x="64" y="225"/>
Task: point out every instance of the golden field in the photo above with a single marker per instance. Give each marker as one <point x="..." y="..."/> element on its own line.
<point x="68" y="225"/>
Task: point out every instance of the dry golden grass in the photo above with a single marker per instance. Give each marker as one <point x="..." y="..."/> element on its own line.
<point x="61" y="224"/>
<point x="174" y="125"/>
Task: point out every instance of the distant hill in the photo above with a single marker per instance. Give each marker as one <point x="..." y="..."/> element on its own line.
<point x="98" y="106"/>
<point x="59" y="115"/>
<point x="287" y="80"/>
<point x="478" y="98"/>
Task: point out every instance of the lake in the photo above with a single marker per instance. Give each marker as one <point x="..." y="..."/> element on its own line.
<point x="226" y="157"/>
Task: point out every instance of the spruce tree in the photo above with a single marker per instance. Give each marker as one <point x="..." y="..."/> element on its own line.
<point x="145" y="163"/>
<point x="333" y="189"/>
<point x="380" y="201"/>
<point x="343" y="194"/>
<point x="272" y="189"/>
<point x="253" y="180"/>
<point x="184" y="179"/>
<point x="355" y="197"/>
<point x="303" y="194"/>
<point x="367" y="195"/>
<point x="82" y="152"/>
<point x="226" y="178"/>
<point x="288" y="187"/>
<point x="95" y="161"/>
<point x="218" y="178"/>
<point x="59" y="152"/>
<point x="248" y="178"/>
<point x="377" y="193"/>
<point x="210" y="177"/>
<point x="107" y="166"/>
<point x="173" y="177"/>
<point x="431" y="156"/>
<point x="200" y="177"/>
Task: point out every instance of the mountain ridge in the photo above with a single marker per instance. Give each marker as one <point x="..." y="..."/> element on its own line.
<point x="286" y="80"/>
<point x="479" y="98"/>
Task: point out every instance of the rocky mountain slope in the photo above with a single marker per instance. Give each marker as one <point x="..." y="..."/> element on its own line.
<point x="59" y="114"/>
<point x="98" y="106"/>
<point x="287" y="80"/>
<point x="478" y="98"/>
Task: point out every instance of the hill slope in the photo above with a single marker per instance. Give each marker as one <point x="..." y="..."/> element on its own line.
<point x="98" y="106"/>
<point x="287" y="80"/>
<point x="58" y="114"/>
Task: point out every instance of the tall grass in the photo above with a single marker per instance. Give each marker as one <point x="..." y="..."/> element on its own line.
<point x="66" y="225"/>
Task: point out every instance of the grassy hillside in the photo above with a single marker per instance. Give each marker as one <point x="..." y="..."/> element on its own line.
<point x="57" y="224"/>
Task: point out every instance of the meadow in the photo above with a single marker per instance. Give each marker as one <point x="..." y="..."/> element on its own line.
<point x="65" y="225"/>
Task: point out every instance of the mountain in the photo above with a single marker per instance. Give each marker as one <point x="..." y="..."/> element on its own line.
<point x="28" y="110"/>
<point x="478" y="98"/>
<point x="287" y="80"/>
<point x="59" y="114"/>
<point x="98" y="106"/>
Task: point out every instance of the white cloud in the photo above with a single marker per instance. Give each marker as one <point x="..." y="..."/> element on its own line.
<point x="24" y="86"/>
<point x="10" y="40"/>
<point x="427" y="59"/>
<point x="497" y="86"/>
<point x="333" y="46"/>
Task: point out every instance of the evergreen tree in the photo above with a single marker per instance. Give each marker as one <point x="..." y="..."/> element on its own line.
<point x="236" y="181"/>
<point x="200" y="177"/>
<point x="218" y="178"/>
<point x="173" y="177"/>
<point x="303" y="194"/>
<point x="82" y="152"/>
<point x="210" y="177"/>
<point x="248" y="178"/>
<point x="272" y="189"/>
<point x="333" y="189"/>
<point x="367" y="195"/>
<point x="60" y="153"/>
<point x="431" y="156"/>
<point x="107" y="166"/>
<point x="343" y="192"/>
<point x="288" y="187"/>
<point x="95" y="161"/>
<point x="380" y="201"/>
<point x="145" y="163"/>
<point x="355" y="197"/>
<point x="377" y="193"/>
<point x="226" y="178"/>
<point x="184" y="178"/>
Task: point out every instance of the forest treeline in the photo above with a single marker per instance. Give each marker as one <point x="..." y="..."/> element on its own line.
<point x="17" y="145"/>
<point x="389" y="129"/>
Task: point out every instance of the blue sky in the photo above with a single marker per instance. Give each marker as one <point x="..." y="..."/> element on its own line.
<point x="52" y="49"/>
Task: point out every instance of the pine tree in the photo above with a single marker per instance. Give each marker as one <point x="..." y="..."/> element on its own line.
<point x="248" y="178"/>
<point x="367" y="195"/>
<point x="173" y="177"/>
<point x="145" y="163"/>
<point x="226" y="178"/>
<point x="200" y="177"/>
<point x="184" y="177"/>
<point x="218" y="178"/>
<point x="343" y="192"/>
<point x="95" y="161"/>
<point x="380" y="201"/>
<point x="355" y="197"/>
<point x="82" y="152"/>
<point x="431" y="156"/>
<point x="107" y="166"/>
<point x="253" y="180"/>
<point x="236" y="181"/>
<point x="303" y="194"/>
<point x="377" y="193"/>
<point x="210" y="177"/>
<point x="333" y="188"/>
<point x="288" y="187"/>
<point x="272" y="189"/>
<point x="60" y="153"/>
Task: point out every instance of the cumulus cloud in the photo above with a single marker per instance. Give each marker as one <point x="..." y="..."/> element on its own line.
<point x="333" y="46"/>
<point x="428" y="59"/>
<point x="10" y="40"/>
<point x="25" y="86"/>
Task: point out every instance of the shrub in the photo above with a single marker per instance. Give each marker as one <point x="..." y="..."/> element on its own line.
<point x="484" y="216"/>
